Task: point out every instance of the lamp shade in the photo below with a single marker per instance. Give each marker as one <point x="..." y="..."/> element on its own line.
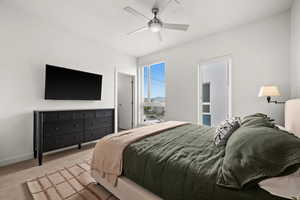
<point x="268" y="91"/>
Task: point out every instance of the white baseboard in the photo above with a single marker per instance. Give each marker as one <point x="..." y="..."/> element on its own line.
<point x="16" y="159"/>
<point x="29" y="156"/>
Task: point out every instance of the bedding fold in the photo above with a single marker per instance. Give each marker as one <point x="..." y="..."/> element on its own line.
<point x="107" y="158"/>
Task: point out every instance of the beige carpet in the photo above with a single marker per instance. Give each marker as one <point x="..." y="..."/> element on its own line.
<point x="13" y="178"/>
<point x="69" y="183"/>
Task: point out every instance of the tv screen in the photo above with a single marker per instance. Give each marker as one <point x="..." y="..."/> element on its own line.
<point x="67" y="84"/>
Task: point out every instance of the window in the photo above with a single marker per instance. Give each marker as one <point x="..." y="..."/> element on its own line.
<point x="206" y="92"/>
<point x="154" y="92"/>
<point x="206" y="115"/>
<point x="206" y="119"/>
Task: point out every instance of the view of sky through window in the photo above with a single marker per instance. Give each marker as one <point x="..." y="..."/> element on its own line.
<point x="157" y="78"/>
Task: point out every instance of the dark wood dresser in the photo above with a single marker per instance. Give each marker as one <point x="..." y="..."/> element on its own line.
<point x="62" y="128"/>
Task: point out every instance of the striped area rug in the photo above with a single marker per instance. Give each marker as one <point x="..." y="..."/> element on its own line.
<point x="69" y="183"/>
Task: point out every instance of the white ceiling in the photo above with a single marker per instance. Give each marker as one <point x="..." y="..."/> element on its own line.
<point x="106" y="21"/>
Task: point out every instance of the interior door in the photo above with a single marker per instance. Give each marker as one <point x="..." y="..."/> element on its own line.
<point x="125" y="101"/>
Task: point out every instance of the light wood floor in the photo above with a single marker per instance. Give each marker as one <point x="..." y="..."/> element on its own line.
<point x="13" y="177"/>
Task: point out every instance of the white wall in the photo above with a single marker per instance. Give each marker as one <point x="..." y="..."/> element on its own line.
<point x="295" y="49"/>
<point x="217" y="75"/>
<point x="260" y="56"/>
<point x="26" y="44"/>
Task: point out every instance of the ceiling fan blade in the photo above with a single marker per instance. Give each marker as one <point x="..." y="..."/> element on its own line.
<point x="179" y="27"/>
<point x="159" y="36"/>
<point x="144" y="28"/>
<point x="165" y="4"/>
<point x="136" y="13"/>
<point x="163" y="7"/>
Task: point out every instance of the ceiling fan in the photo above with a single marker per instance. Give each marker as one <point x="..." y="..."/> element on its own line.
<point x="155" y="24"/>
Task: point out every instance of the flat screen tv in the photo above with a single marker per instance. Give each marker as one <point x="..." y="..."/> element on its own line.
<point x="67" y="84"/>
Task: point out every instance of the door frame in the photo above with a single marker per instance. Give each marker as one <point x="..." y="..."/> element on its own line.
<point x="226" y="58"/>
<point x="134" y="98"/>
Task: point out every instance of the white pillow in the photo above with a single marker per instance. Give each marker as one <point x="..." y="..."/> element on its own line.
<point x="284" y="186"/>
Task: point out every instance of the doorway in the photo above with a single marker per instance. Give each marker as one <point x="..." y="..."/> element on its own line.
<point x="214" y="91"/>
<point x="125" y="101"/>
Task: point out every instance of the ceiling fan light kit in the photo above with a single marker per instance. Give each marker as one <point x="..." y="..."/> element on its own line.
<point x="155" y="24"/>
<point x="155" y="27"/>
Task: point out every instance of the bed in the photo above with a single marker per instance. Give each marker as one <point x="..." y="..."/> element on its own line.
<point x="181" y="162"/>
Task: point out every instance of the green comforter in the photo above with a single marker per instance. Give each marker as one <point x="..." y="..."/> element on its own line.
<point x="183" y="164"/>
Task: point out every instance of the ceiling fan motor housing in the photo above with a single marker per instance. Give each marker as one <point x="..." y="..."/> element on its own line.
<point x="155" y="11"/>
<point x="155" y="25"/>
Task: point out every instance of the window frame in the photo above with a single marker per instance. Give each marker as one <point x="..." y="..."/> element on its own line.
<point x="141" y="87"/>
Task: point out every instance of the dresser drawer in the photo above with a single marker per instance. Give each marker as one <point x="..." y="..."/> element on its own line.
<point x="90" y="124"/>
<point x="107" y="120"/>
<point x="94" y="134"/>
<point x="60" y="141"/>
<point x="50" y="117"/>
<point x="100" y="113"/>
<point x="69" y="139"/>
<point x="104" y="113"/>
<point x="57" y="128"/>
<point x="109" y="113"/>
<point x="49" y="144"/>
<point x="108" y="130"/>
<point x="89" y="114"/>
<point x="78" y="115"/>
<point x="65" y="116"/>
